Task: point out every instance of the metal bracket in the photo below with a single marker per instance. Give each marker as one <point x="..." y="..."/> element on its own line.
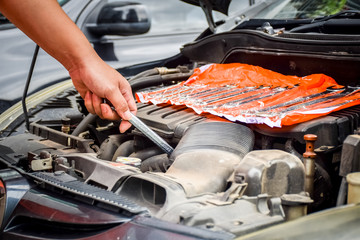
<point x="207" y="8"/>
<point x="41" y="164"/>
<point x="234" y="192"/>
<point x="229" y="196"/>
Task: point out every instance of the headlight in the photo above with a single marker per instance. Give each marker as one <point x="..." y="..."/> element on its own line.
<point x="2" y="201"/>
<point x="13" y="186"/>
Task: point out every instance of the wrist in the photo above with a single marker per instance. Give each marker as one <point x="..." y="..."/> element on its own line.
<point x="76" y="64"/>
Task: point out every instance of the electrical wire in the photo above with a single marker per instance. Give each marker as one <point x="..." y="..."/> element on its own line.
<point x="26" y="88"/>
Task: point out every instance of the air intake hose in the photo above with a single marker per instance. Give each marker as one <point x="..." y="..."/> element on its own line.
<point x="206" y="156"/>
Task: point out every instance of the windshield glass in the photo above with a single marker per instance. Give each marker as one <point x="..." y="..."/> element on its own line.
<point x="62" y="2"/>
<point x="303" y="9"/>
<point x="5" y="23"/>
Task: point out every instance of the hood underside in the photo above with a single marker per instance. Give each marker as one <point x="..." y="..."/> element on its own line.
<point x="217" y="5"/>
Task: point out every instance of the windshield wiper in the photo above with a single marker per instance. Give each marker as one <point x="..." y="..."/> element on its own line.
<point x="346" y="22"/>
<point x="349" y="14"/>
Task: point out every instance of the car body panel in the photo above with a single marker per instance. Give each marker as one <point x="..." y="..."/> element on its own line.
<point x="224" y="179"/>
<point x="339" y="223"/>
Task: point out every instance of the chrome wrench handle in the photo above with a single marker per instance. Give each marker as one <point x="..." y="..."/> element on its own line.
<point x="150" y="134"/>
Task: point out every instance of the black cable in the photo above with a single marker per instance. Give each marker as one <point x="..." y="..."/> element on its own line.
<point x="148" y="81"/>
<point x="90" y="118"/>
<point x="23" y="100"/>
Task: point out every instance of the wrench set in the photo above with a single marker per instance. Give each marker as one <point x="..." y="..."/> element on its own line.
<point x="275" y="105"/>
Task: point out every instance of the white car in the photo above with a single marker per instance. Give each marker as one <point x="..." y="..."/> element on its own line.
<point x="67" y="174"/>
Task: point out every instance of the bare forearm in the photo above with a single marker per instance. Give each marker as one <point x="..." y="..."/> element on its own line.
<point x="45" y="23"/>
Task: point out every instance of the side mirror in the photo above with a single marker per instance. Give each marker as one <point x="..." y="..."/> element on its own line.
<point x="120" y="18"/>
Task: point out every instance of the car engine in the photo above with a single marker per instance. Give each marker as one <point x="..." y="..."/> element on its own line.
<point x="222" y="176"/>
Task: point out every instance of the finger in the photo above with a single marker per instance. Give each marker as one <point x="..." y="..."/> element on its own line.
<point x="88" y="103"/>
<point x="131" y="103"/>
<point x="127" y="93"/>
<point x="80" y="89"/>
<point x="120" y="104"/>
<point x="108" y="113"/>
<point x="96" y="102"/>
<point x="124" y="125"/>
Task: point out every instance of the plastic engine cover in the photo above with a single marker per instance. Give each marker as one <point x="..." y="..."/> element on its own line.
<point x="274" y="172"/>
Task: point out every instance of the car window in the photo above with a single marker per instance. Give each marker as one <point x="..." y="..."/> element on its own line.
<point x="62" y="2"/>
<point x="6" y="24"/>
<point x="3" y="19"/>
<point x="174" y="16"/>
<point x="301" y="9"/>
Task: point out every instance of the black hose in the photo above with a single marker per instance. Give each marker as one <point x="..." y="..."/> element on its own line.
<point x="90" y="118"/>
<point x="160" y="71"/>
<point x="146" y="73"/>
<point x="158" y="163"/>
<point x="26" y="88"/>
<point x="124" y="150"/>
<point x="157" y="79"/>
<point x="289" y="147"/>
<point x="147" y="153"/>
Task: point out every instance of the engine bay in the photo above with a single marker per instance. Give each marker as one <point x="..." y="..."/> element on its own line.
<point x="259" y="175"/>
<point x="222" y="176"/>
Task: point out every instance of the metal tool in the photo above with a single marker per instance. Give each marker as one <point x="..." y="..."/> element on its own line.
<point x="349" y="90"/>
<point x="150" y="134"/>
<point x="229" y="95"/>
<point x="342" y="92"/>
<point x="256" y="97"/>
<point x="267" y="92"/>
<point x="144" y="129"/>
<point x="206" y="92"/>
<point x="166" y="96"/>
<point x="303" y="99"/>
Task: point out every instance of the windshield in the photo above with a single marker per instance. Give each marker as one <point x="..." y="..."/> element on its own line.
<point x="6" y="24"/>
<point x="62" y="2"/>
<point x="303" y="9"/>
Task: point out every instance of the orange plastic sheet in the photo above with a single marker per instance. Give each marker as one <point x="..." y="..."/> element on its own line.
<point x="251" y="94"/>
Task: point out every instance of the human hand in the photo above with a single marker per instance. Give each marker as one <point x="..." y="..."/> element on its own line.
<point x="92" y="77"/>
<point x="95" y="80"/>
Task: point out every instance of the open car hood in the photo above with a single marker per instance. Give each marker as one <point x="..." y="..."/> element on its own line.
<point x="217" y="5"/>
<point x="208" y="6"/>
